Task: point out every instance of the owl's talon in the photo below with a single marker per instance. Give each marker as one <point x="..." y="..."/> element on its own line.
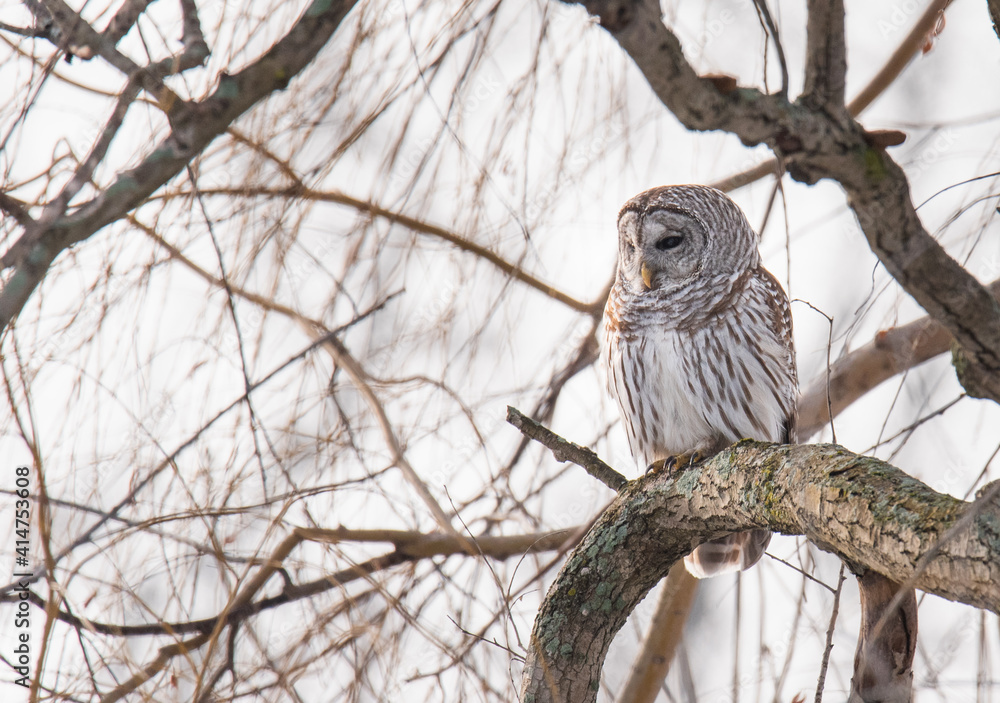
<point x="683" y="461"/>
<point x="657" y="466"/>
<point x="674" y="462"/>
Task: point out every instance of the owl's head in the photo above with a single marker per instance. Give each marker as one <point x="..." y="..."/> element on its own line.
<point x="672" y="235"/>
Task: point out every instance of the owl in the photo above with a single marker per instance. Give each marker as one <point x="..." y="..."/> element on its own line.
<point x="697" y="343"/>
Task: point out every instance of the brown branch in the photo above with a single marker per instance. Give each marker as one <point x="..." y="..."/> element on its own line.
<point x="345" y="361"/>
<point x="828" y="648"/>
<point x="594" y="309"/>
<point x="869" y="513"/>
<point x="911" y="45"/>
<point x="650" y="668"/>
<point x="887" y="641"/>
<point x="767" y="22"/>
<point x="826" y="56"/>
<point x="194" y="126"/>
<point x="163" y="658"/>
<point x="819" y="145"/>
<point x="893" y="351"/>
<point x="409" y="546"/>
<point x="564" y="450"/>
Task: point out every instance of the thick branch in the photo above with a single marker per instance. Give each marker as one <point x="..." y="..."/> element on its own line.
<point x="826" y="61"/>
<point x="893" y="351"/>
<point x="819" y="145"/>
<point x="871" y="514"/>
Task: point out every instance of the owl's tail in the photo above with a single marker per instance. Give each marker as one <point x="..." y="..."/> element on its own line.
<point x="736" y="552"/>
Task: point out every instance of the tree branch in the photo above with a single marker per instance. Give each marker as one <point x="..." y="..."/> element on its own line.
<point x="410" y="546"/>
<point x="826" y="59"/>
<point x="912" y="44"/>
<point x="194" y="126"/>
<point x="564" y="450"/>
<point x="892" y="352"/>
<point x="302" y="192"/>
<point x="871" y="514"/>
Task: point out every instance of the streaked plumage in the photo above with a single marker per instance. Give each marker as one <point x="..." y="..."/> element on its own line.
<point x="698" y="341"/>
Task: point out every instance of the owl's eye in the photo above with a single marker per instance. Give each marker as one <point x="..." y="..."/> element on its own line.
<point x="669" y="243"/>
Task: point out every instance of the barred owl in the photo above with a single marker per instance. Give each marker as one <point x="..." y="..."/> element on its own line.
<point x="697" y="342"/>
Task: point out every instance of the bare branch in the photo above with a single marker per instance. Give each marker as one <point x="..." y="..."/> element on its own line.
<point x="195" y="50"/>
<point x="85" y="170"/>
<point x="16" y="209"/>
<point x="866" y="511"/>
<point x="825" y="664"/>
<point x="883" y="663"/>
<point x="826" y="56"/>
<point x="666" y="628"/>
<point x="124" y="19"/>
<point x="409" y="546"/>
<point x="819" y="145"/>
<point x="893" y="351"/>
<point x="893" y="67"/>
<point x="564" y="450"/>
<point x="195" y="125"/>
<point x="301" y="192"/>
<point x="912" y="43"/>
<point x="764" y="13"/>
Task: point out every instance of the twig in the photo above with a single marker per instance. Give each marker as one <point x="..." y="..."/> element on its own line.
<point x="829" y="394"/>
<point x="803" y="573"/>
<point x="829" y="637"/>
<point x="764" y="14"/>
<point x="368" y="207"/>
<point x="564" y="450"/>
<point x="891" y="352"/>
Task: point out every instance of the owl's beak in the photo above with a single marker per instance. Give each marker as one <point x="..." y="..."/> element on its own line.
<point x="647" y="275"/>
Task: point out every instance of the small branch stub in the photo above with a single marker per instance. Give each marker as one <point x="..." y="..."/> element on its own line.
<point x="564" y="450"/>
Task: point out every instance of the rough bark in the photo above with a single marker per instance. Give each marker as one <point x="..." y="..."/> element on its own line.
<point x="826" y="62"/>
<point x="871" y="514"/>
<point x="883" y="662"/>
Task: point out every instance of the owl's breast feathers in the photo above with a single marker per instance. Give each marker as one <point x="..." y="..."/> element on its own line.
<point x="701" y="366"/>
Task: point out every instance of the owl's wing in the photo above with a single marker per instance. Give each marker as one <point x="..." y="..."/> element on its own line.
<point x="741" y="365"/>
<point x="781" y="316"/>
